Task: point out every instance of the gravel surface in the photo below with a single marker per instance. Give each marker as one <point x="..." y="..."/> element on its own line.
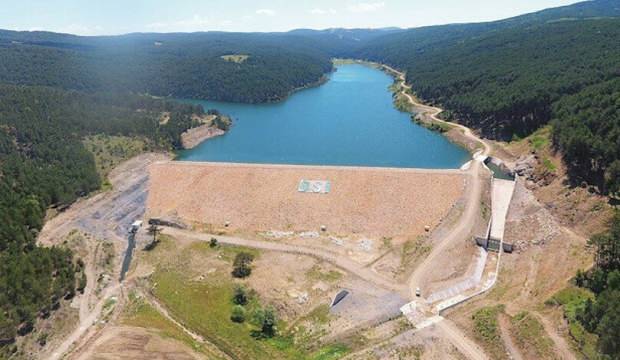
<point x="367" y="201"/>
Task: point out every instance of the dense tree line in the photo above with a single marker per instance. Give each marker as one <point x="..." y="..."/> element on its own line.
<point x="177" y="65"/>
<point x="510" y="77"/>
<point x="587" y="130"/>
<point x="43" y="163"/>
<point x="506" y="78"/>
<point x="505" y="82"/>
<point x="601" y="316"/>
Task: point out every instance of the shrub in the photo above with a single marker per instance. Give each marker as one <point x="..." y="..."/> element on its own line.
<point x="240" y="296"/>
<point x="238" y="314"/>
<point x="82" y="283"/>
<point x="241" y="265"/>
<point x="266" y="319"/>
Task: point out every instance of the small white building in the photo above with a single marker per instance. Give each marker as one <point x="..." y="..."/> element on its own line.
<point x="136" y="226"/>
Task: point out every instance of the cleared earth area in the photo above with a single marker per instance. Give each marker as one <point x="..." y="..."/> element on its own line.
<point x="368" y="201"/>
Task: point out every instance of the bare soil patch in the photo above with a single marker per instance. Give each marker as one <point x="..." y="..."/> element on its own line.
<point x="194" y="136"/>
<point x="370" y="201"/>
<point x="124" y="342"/>
<point x="547" y="255"/>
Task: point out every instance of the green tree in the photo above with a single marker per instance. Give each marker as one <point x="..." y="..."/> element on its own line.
<point x="238" y="314"/>
<point x="268" y="323"/>
<point x="608" y="329"/>
<point x="8" y="328"/>
<point x="608" y="247"/>
<point x="82" y="283"/>
<point x="602" y="315"/>
<point x="240" y="296"/>
<point x="241" y="265"/>
<point x="612" y="177"/>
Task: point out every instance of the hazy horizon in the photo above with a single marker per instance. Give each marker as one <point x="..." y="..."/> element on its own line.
<point x="143" y="16"/>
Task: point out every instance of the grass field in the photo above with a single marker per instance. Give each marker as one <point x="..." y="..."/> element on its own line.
<point x="571" y="299"/>
<point x="413" y="250"/>
<point x="109" y="151"/>
<point x="530" y="336"/>
<point x="236" y="58"/>
<point x="140" y="313"/>
<point x="540" y="143"/>
<point x="486" y="330"/>
<point x="205" y="306"/>
<point x="317" y="273"/>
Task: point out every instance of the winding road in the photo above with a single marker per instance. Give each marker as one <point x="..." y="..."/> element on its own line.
<point x="454" y="237"/>
<point x="462" y="230"/>
<point x="458" y="233"/>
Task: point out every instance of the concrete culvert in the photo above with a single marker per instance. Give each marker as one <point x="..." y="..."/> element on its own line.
<point x="339" y="297"/>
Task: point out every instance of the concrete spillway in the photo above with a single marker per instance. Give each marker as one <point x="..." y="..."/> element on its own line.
<point x="501" y="195"/>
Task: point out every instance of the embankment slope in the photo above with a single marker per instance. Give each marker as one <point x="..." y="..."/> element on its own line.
<point x="366" y="201"/>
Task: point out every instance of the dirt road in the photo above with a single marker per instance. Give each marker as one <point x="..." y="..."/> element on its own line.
<point x="561" y="346"/>
<point x="460" y="232"/>
<point x="333" y="258"/>
<point x="432" y="111"/>
<point x="472" y="203"/>
<point x="507" y="339"/>
<point x="84" y="324"/>
<point x="106" y="216"/>
<point x="467" y="347"/>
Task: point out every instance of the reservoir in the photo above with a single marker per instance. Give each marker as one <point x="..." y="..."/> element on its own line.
<point x="350" y="120"/>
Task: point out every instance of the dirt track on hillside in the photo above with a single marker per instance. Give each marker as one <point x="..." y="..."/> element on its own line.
<point x="107" y="216"/>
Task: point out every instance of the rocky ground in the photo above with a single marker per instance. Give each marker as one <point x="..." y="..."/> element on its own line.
<point x="365" y="201"/>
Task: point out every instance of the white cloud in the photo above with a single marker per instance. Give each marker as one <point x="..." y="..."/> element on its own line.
<point x="194" y="23"/>
<point x="366" y="7"/>
<point x="78" y="29"/>
<point x="319" y="11"/>
<point x="268" y="12"/>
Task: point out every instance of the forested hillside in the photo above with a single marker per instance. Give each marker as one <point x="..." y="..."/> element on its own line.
<point x="57" y="89"/>
<point x="177" y="65"/>
<point x="506" y="78"/>
<point x="44" y="163"/>
<point x="505" y="82"/>
<point x="587" y="131"/>
<point x="510" y="77"/>
<point x="600" y="315"/>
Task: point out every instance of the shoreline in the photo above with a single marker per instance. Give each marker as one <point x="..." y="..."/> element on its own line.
<point x="195" y="136"/>
<point x="426" y="115"/>
<point x="422" y="115"/>
<point x="443" y="128"/>
<point x="322" y="80"/>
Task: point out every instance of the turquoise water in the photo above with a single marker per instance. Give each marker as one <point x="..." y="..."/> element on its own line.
<point x="350" y="120"/>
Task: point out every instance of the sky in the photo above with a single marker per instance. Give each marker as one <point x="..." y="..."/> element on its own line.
<point x="112" y="17"/>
